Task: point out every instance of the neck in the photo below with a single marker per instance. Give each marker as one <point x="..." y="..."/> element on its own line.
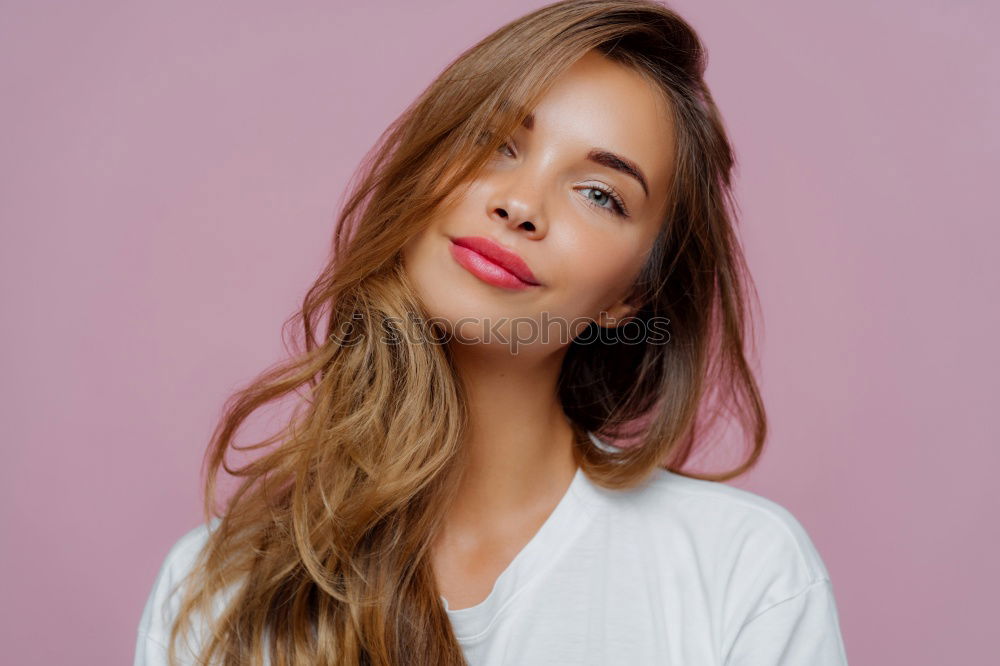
<point x="519" y="442"/>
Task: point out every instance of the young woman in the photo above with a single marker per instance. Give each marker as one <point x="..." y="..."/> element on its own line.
<point x="539" y="260"/>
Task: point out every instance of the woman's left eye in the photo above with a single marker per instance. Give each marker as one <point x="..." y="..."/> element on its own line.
<point x="605" y="196"/>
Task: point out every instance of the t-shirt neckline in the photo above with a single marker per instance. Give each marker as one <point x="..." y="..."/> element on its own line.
<point x="567" y="520"/>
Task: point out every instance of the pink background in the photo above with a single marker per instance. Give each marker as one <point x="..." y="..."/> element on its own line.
<point x="169" y="178"/>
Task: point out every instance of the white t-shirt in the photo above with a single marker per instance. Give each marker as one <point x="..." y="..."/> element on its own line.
<point x="678" y="572"/>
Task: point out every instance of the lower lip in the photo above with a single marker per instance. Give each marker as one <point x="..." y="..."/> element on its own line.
<point x="486" y="270"/>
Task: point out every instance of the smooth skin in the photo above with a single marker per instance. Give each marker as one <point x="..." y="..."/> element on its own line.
<point x="541" y="197"/>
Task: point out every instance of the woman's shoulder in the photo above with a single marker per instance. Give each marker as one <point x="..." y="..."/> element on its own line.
<point x="181" y="555"/>
<point x="754" y="560"/>
<point x="729" y="525"/>
<point x="719" y="532"/>
<point x="744" y="553"/>
<point x="163" y="602"/>
<point x="737" y="514"/>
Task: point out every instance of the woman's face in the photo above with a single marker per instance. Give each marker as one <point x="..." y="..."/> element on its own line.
<point x="559" y="196"/>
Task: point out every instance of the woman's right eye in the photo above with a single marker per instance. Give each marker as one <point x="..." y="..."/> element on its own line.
<point x="486" y="136"/>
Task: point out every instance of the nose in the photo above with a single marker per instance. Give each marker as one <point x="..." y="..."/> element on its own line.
<point x="517" y="203"/>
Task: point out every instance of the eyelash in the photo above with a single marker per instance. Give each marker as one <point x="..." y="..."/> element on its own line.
<point x="619" y="204"/>
<point x="620" y="210"/>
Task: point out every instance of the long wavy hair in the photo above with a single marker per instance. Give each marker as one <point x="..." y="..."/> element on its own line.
<point x="322" y="551"/>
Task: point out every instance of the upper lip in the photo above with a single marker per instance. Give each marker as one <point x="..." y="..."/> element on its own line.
<point x="499" y="255"/>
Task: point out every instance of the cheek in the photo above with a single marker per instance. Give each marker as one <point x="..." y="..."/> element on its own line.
<point x="410" y="253"/>
<point x="419" y="265"/>
<point x="598" y="273"/>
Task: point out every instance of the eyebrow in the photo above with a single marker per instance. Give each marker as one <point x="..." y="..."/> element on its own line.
<point x="604" y="158"/>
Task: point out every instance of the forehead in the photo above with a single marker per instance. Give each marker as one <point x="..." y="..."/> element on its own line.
<point x="597" y="102"/>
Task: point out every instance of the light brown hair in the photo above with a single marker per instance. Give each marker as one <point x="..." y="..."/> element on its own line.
<point x="325" y="542"/>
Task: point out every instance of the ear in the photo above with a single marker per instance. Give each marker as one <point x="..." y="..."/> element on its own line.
<point x="616" y="315"/>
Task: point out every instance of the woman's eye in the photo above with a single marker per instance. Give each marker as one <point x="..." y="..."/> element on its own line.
<point x="605" y="200"/>
<point x="483" y="137"/>
<point x="486" y="136"/>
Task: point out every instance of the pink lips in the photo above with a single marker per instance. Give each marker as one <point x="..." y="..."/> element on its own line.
<point x="492" y="263"/>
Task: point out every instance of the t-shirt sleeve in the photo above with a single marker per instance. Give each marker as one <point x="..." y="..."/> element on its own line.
<point x="163" y="602"/>
<point x="802" y="629"/>
<point x="154" y="627"/>
<point x="778" y="604"/>
<point x="149" y="651"/>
